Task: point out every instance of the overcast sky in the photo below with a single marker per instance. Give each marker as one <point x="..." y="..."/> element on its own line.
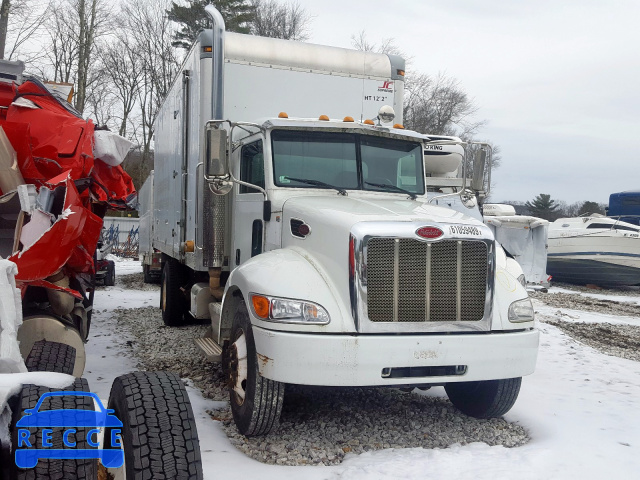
<point x="558" y="81"/>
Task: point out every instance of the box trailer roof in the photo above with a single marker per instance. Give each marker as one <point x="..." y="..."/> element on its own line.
<point x="289" y="54"/>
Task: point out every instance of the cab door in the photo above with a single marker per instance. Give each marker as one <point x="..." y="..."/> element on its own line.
<point x="248" y="225"/>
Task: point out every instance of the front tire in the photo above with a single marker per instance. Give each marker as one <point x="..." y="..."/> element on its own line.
<point x="159" y="435"/>
<point x="486" y="399"/>
<point x="172" y="301"/>
<point x="256" y="401"/>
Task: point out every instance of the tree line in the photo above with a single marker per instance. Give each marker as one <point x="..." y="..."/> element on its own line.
<point x="543" y="206"/>
<point x="122" y="58"/>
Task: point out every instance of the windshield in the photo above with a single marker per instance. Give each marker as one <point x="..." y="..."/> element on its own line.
<point x="347" y="161"/>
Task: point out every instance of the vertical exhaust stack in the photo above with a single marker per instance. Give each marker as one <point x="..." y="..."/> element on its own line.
<point x="217" y="85"/>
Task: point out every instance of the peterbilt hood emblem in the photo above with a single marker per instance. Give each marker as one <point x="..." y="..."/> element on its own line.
<point x="429" y="232"/>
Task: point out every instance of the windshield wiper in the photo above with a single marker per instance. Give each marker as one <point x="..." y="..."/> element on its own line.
<point x="318" y="183"/>
<point x="394" y="188"/>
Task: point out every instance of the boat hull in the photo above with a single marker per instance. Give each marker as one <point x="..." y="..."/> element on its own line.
<point x="603" y="270"/>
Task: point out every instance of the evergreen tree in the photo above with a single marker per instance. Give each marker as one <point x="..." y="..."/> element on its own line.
<point x="542" y="206"/>
<point x="237" y="14"/>
<point x="589" y="208"/>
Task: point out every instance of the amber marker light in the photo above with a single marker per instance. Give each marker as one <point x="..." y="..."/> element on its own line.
<point x="347" y="119"/>
<point x="324" y="118"/>
<point x="207" y="49"/>
<point x="368" y="121"/>
<point x="283" y="115"/>
<point x="400" y="72"/>
<point x="397" y="125"/>
<point x="260" y="305"/>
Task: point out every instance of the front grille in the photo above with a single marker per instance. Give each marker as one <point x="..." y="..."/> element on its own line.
<point x="413" y="281"/>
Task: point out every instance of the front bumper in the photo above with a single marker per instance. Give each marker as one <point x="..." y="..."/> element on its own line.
<point x="359" y="360"/>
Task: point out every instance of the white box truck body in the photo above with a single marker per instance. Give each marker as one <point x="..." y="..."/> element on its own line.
<point x="305" y="231"/>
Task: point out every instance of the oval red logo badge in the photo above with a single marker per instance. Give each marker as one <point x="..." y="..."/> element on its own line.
<point x="429" y="232"/>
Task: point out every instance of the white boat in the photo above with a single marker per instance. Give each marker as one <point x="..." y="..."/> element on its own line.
<point x="594" y="250"/>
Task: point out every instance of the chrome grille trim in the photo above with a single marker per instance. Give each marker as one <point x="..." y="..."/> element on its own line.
<point x="391" y="298"/>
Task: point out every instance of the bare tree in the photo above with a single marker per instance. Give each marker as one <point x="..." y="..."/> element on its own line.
<point x="149" y="31"/>
<point x="5" y="7"/>
<point x="27" y="17"/>
<point x="123" y="65"/>
<point x="386" y="45"/>
<point x="273" y="19"/>
<point x="62" y="50"/>
<point x="440" y="106"/>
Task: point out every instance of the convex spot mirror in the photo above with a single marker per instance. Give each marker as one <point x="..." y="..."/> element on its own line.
<point x="215" y="157"/>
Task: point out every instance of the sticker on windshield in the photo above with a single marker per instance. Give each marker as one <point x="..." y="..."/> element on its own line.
<point x="284" y="179"/>
<point x="461" y="230"/>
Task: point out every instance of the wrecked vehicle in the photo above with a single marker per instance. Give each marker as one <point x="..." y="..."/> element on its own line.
<point x="55" y="191"/>
<point x="58" y="177"/>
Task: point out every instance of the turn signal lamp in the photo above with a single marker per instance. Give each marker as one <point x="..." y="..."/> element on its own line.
<point x="207" y="49"/>
<point x="324" y="118"/>
<point x="283" y="115"/>
<point x="397" y="125"/>
<point x="368" y="122"/>
<point x="347" y="119"/>
<point x="400" y="72"/>
<point x="261" y="305"/>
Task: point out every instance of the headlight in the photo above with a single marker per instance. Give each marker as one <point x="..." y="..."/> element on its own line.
<point x="522" y="281"/>
<point x="521" y="311"/>
<point x="285" y="310"/>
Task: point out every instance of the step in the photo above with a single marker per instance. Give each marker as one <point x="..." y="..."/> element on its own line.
<point x="211" y="349"/>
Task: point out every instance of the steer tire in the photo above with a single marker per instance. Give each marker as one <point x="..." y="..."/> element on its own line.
<point x="159" y="433"/>
<point x="485" y="399"/>
<point x="172" y="301"/>
<point x="259" y="412"/>
<point x="51" y="357"/>
<point x="54" y="469"/>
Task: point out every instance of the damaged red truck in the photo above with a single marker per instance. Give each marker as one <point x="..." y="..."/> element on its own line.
<point x="51" y="231"/>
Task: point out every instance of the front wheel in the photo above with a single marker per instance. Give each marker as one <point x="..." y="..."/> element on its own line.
<point x="256" y="401"/>
<point x="485" y="399"/>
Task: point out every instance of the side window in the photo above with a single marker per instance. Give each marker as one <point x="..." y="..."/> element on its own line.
<point x="252" y="166"/>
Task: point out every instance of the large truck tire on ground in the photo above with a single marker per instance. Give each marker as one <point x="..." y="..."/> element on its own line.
<point x="294" y="211"/>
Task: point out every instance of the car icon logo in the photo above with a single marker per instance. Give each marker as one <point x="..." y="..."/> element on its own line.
<point x="66" y="422"/>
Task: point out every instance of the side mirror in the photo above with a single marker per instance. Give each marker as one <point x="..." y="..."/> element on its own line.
<point x="477" y="181"/>
<point x="215" y="155"/>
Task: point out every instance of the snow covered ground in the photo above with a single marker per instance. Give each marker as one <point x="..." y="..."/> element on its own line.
<point x="580" y="407"/>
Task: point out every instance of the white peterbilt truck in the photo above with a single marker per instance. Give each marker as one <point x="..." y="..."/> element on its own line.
<point x="293" y="212"/>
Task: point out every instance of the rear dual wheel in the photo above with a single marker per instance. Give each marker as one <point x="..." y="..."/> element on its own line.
<point x="173" y="301"/>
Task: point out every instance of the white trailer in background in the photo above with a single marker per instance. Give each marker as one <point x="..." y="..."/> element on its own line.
<point x="523" y="238"/>
<point x="291" y="209"/>
<point x="149" y="256"/>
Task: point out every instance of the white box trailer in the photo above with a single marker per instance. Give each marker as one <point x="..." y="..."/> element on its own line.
<point x="291" y="209"/>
